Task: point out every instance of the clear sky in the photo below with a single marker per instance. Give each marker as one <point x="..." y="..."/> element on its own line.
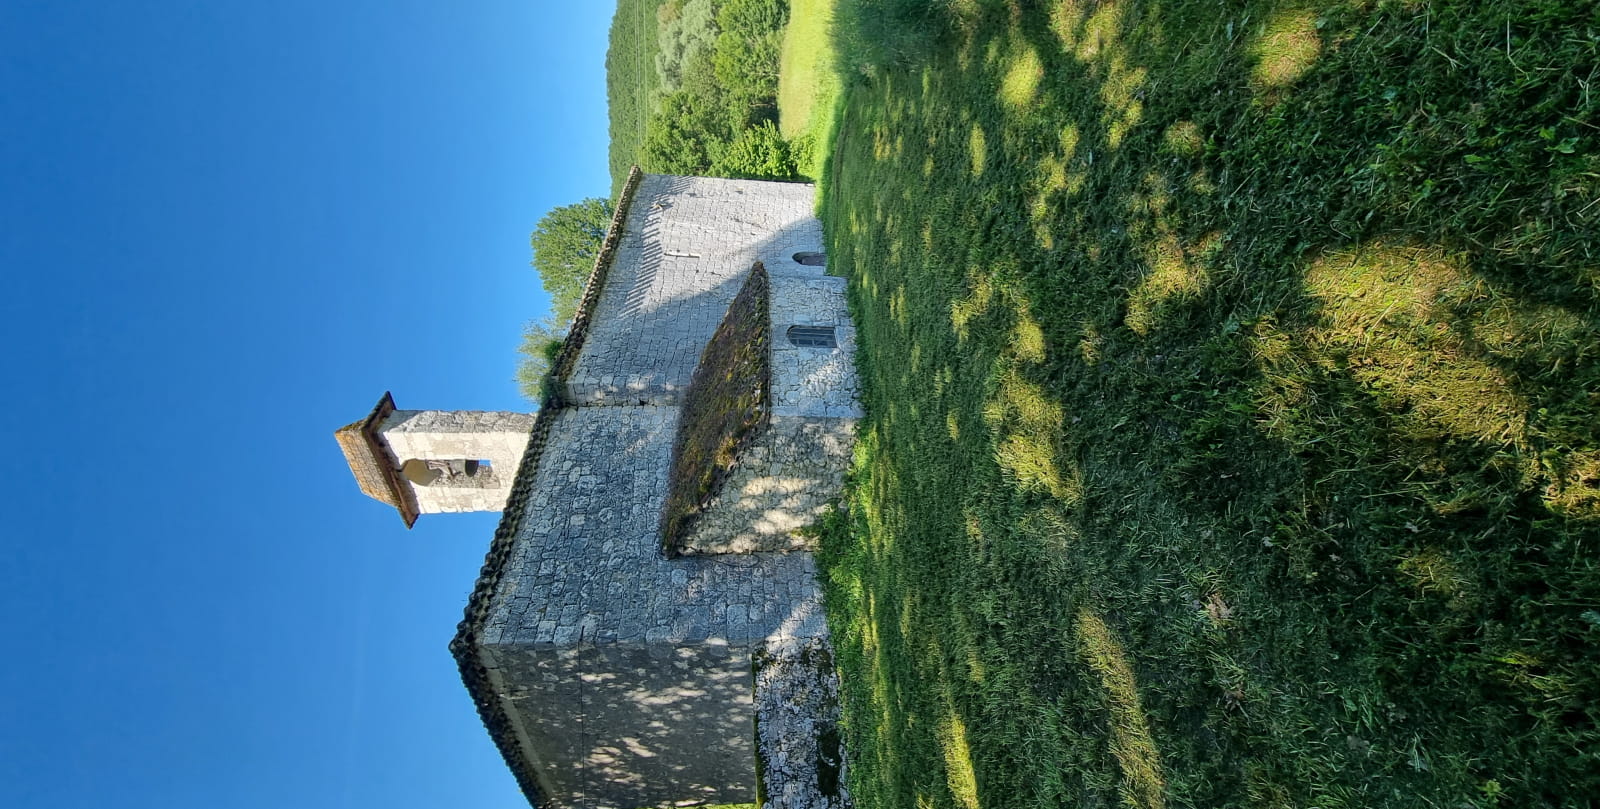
<point x="229" y="227"/>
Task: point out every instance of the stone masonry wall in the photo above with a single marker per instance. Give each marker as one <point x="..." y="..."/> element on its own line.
<point x="784" y="480"/>
<point x="782" y="483"/>
<point x="687" y="244"/>
<point x="611" y="676"/>
<point x="635" y="720"/>
<point x="799" y="748"/>
<point x="498" y="437"/>
<point x="813" y="382"/>
<point x="586" y="573"/>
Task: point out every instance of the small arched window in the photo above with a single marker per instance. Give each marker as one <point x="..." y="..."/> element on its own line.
<point x="813" y="337"/>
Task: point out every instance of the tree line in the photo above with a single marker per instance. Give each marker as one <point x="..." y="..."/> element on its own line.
<point x="692" y="87"/>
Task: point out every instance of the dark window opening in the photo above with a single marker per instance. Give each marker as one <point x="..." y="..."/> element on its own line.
<point x="813" y="337"/>
<point x="447" y="472"/>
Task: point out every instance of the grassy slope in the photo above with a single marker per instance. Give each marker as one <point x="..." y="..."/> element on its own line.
<point x="1233" y="406"/>
<point x="631" y="82"/>
<point x="808" y="80"/>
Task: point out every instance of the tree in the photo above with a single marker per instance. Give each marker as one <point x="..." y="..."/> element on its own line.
<point x="541" y="342"/>
<point x="759" y="153"/>
<point x="689" y="28"/>
<point x="750" y="43"/>
<point x="565" y="244"/>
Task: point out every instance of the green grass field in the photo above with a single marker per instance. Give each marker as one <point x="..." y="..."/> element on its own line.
<point x="631" y="83"/>
<point x="809" y="81"/>
<point x="1233" y="428"/>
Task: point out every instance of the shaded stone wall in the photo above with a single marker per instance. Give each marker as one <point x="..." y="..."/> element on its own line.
<point x="586" y="578"/>
<point x="785" y="479"/>
<point x="638" y="724"/>
<point x="688" y="242"/>
<point x="799" y="748"/>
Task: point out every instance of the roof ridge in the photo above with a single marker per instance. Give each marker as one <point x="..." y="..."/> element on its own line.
<point x="473" y="673"/>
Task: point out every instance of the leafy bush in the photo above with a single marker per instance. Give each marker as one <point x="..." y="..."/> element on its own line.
<point x="715" y="76"/>
<point x="749" y="43"/>
<point x="687" y="136"/>
<point x="541" y="342"/>
<point x="760" y="153"/>
<point x="803" y="152"/>
<point x="684" y="35"/>
<point x="565" y="243"/>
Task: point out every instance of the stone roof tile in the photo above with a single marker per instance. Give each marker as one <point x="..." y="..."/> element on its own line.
<point x="373" y="465"/>
<point x="464" y="646"/>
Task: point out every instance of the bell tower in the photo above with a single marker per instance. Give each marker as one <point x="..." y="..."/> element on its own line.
<point x="435" y="461"/>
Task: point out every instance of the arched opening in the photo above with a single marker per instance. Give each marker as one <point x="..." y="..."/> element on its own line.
<point x="811" y="259"/>
<point x="448" y="472"/>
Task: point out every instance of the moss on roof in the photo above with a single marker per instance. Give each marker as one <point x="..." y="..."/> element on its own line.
<point x="728" y="404"/>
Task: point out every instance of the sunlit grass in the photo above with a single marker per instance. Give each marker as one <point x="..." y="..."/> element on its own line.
<point x="1131" y="742"/>
<point x="1389" y="311"/>
<point x="1021" y="83"/>
<point x="1286" y="48"/>
<point x="978" y="149"/>
<point x="1233" y="435"/>
<point x="1173" y="277"/>
<point x="960" y="777"/>
<point x="809" y="83"/>
<point x="1183" y="139"/>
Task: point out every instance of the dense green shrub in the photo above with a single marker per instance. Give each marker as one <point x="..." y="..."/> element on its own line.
<point x="759" y="153"/>
<point x="803" y="151"/>
<point x="687" y="135"/>
<point x="541" y="342"/>
<point x="684" y="34"/>
<point x="565" y="243"/>
<point x="715" y="77"/>
<point x="749" y="43"/>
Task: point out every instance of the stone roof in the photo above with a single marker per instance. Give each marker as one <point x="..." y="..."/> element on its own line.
<point x="373" y="464"/>
<point x="464" y="646"/>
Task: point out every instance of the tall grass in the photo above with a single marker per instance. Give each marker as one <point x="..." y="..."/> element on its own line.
<point x="809" y="83"/>
<point x="1233" y="390"/>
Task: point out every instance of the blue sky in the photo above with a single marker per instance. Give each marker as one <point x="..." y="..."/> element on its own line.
<point x="229" y="228"/>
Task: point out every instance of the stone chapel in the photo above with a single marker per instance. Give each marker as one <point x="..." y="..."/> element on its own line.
<point x="615" y="666"/>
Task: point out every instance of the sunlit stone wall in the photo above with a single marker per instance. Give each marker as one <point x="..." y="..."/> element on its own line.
<point x="627" y="676"/>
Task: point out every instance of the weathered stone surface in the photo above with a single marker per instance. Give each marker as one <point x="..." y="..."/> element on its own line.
<point x="780" y="486"/>
<point x="624" y="677"/>
<point x="440" y="437"/>
<point x="812" y="382"/>
<point x="687" y="245"/>
<point x="799" y="749"/>
<point x="782" y="483"/>
<point x="588" y="557"/>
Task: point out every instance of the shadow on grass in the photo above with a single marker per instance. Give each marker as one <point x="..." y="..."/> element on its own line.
<point x="1265" y="336"/>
